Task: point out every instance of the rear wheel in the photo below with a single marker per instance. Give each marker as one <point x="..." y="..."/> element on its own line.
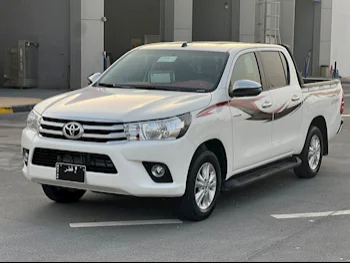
<point x="203" y="187"/>
<point x="311" y="155"/>
<point x="63" y="195"/>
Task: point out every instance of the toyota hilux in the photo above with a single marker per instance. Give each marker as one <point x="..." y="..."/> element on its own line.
<point x="184" y="121"/>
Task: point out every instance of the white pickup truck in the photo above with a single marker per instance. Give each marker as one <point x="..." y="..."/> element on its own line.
<point x="184" y="121"/>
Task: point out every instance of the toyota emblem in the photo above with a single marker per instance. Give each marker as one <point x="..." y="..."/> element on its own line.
<point x="73" y="130"/>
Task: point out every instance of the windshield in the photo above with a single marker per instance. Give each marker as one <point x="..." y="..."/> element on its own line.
<point x="178" y="70"/>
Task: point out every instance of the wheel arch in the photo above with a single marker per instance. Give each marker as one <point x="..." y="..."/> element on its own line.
<point x="320" y="122"/>
<point x="217" y="147"/>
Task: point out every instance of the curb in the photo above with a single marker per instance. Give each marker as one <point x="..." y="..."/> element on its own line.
<point x="345" y="80"/>
<point x="16" y="109"/>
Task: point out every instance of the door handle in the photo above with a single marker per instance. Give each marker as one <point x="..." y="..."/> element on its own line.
<point x="295" y="98"/>
<point x="267" y="104"/>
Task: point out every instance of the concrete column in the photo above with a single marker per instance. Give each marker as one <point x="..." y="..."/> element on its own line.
<point x="87" y="40"/>
<point x="326" y="32"/>
<point x="287" y="22"/>
<point x="75" y="45"/>
<point x="247" y="21"/>
<point x="235" y="20"/>
<point x="176" y="20"/>
<point x="316" y="72"/>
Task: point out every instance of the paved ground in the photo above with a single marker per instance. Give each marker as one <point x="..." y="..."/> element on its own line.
<point x="241" y="229"/>
<point x="30" y="93"/>
<point x="18" y="98"/>
<point x="7" y="102"/>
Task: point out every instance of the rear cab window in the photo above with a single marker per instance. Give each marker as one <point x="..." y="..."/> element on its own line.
<point x="276" y="69"/>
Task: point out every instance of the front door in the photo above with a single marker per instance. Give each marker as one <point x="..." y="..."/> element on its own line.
<point x="251" y="116"/>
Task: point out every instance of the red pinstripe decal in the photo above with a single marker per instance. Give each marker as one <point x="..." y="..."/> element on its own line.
<point x="208" y="111"/>
<point x="280" y="108"/>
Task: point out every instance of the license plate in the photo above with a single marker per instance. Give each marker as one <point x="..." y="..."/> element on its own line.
<point x="70" y="172"/>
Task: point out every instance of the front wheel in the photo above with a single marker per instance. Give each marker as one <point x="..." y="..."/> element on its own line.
<point x="203" y="187"/>
<point x="311" y="155"/>
<point x="63" y="195"/>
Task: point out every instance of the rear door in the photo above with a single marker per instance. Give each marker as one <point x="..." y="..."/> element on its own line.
<point x="252" y="125"/>
<point x="287" y="100"/>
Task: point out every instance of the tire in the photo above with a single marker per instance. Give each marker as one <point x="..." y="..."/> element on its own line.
<point x="63" y="195"/>
<point x="306" y="170"/>
<point x="189" y="208"/>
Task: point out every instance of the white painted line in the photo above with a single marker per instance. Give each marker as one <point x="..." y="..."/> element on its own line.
<point x="312" y="215"/>
<point x="346" y="115"/>
<point x="304" y="215"/>
<point x="125" y="223"/>
<point x="341" y="213"/>
<point x="347" y="95"/>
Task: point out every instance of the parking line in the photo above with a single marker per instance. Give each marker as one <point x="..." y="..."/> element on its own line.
<point x="312" y="215"/>
<point x="347" y="95"/>
<point x="341" y="213"/>
<point x="346" y="115"/>
<point x="125" y="223"/>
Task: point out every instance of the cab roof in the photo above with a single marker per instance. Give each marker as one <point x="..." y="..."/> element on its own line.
<point x="204" y="46"/>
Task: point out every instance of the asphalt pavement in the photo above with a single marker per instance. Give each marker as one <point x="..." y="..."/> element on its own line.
<point x="244" y="227"/>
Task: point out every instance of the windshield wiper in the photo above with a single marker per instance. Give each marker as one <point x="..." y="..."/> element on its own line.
<point x="170" y="88"/>
<point x="108" y="85"/>
<point x="130" y="87"/>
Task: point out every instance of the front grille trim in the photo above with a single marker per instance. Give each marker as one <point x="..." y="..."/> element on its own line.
<point x="82" y="122"/>
<point x="95" y="163"/>
<point x="99" y="132"/>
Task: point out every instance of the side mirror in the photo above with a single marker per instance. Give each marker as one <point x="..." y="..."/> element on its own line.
<point x="246" y="88"/>
<point x="92" y="78"/>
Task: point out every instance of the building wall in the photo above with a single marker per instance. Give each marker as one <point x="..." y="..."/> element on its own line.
<point x="183" y="12"/>
<point x="167" y="23"/>
<point x="340" y="47"/>
<point x="326" y="32"/>
<point x="247" y="21"/>
<point x="316" y="70"/>
<point x="287" y="22"/>
<point x="216" y="20"/>
<point x="176" y="20"/>
<point x="129" y="19"/>
<point x="46" y="22"/>
<point x="303" y="31"/>
<point x="92" y="38"/>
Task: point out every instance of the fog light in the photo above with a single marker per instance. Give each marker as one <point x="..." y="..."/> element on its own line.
<point x="25" y="154"/>
<point x="158" y="171"/>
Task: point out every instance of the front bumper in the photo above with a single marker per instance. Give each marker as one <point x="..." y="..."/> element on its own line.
<point x="131" y="178"/>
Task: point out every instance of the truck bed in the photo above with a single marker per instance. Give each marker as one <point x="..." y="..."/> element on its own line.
<point x="319" y="82"/>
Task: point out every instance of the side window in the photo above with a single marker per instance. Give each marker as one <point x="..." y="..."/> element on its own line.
<point x="286" y="68"/>
<point x="246" y="68"/>
<point x="274" y="69"/>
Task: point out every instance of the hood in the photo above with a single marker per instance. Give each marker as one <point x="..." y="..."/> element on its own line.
<point x="121" y="105"/>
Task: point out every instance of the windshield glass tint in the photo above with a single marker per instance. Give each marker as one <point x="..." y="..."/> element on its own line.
<point x="167" y="69"/>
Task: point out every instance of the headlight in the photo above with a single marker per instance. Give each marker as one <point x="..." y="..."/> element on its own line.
<point x="33" y="121"/>
<point x="168" y="129"/>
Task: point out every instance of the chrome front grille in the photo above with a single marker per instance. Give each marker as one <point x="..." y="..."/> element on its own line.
<point x="100" y="132"/>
